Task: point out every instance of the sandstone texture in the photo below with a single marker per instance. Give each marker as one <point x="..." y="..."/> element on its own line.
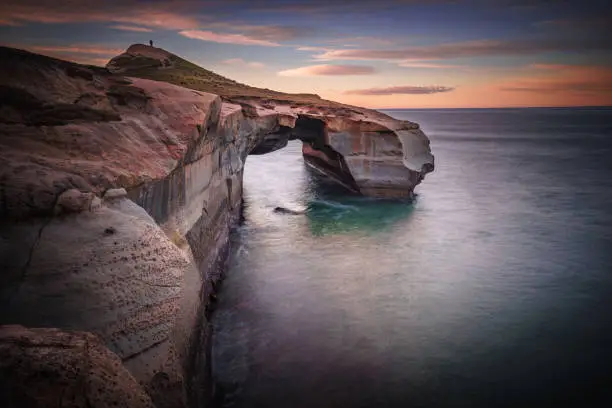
<point x="363" y="149"/>
<point x="49" y="368"/>
<point x="118" y="188"/>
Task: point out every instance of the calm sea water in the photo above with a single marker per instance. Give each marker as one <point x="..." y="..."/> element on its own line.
<point x="492" y="288"/>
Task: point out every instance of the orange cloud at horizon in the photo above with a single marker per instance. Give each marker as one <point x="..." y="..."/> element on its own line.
<point x="538" y="84"/>
<point x="543" y="85"/>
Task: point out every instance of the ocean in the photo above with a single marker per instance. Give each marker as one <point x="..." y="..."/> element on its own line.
<point x="493" y="287"/>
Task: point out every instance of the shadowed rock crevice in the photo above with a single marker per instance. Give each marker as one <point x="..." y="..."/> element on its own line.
<point x="273" y="141"/>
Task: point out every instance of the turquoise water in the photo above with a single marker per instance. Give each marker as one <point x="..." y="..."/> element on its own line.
<point x="492" y="288"/>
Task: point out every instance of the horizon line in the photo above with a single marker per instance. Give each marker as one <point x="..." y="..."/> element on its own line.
<point x="500" y="107"/>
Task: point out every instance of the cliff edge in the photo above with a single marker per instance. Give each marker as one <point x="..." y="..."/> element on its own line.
<point x="366" y="150"/>
<point x="117" y="192"/>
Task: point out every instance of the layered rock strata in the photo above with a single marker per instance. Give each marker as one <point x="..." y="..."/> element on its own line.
<point x="117" y="195"/>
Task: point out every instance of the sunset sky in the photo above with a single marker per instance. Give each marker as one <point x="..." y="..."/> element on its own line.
<point x="379" y="54"/>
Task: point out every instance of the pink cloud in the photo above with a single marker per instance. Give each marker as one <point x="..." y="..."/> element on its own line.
<point x="131" y="28"/>
<point x="74" y="49"/>
<point x="272" y="32"/>
<point x="241" y="62"/>
<point x="405" y="90"/>
<point x="141" y="16"/>
<point x="309" y="48"/>
<point x="480" y="48"/>
<point x="564" y="79"/>
<point x="316" y="70"/>
<point x="560" y="86"/>
<point x="160" y="15"/>
<point x="373" y="41"/>
<point x="412" y="64"/>
<point x="226" y="38"/>
<point x="560" y="67"/>
<point x="90" y="54"/>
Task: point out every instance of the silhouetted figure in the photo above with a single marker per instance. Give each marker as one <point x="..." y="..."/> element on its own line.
<point x="151" y="43"/>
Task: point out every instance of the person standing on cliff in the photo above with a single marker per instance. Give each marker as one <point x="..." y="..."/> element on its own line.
<point x="151" y="43"/>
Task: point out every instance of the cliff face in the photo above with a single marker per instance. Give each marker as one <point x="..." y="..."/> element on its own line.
<point x="364" y="150"/>
<point x="117" y="194"/>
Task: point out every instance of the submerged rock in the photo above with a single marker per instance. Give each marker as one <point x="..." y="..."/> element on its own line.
<point x="283" y="210"/>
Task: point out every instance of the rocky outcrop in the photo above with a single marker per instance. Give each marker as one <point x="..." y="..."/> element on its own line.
<point x="363" y="150"/>
<point x="42" y="368"/>
<point x="117" y="195"/>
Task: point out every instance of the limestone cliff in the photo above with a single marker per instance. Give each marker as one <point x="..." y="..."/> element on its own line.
<point x="117" y="194"/>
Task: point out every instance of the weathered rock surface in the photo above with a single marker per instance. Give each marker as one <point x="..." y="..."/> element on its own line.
<point x="364" y="150"/>
<point x="49" y="368"/>
<point x="117" y="195"/>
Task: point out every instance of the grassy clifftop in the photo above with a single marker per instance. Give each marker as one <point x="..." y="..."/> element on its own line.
<point x="147" y="62"/>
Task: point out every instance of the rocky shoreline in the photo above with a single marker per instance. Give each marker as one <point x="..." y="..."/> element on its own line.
<point x="117" y="195"/>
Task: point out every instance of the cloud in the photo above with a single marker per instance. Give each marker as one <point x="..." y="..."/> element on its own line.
<point x="479" y="48"/>
<point x="577" y="79"/>
<point x="72" y="49"/>
<point x="413" y="64"/>
<point x="372" y="41"/>
<point x="135" y="15"/>
<point x="226" y="38"/>
<point x="240" y="61"/>
<point x="131" y="28"/>
<point x="272" y="32"/>
<point x="550" y="66"/>
<point x="317" y="70"/>
<point x="336" y="6"/>
<point x="8" y="22"/>
<point x="164" y="15"/>
<point x="348" y="42"/>
<point x="367" y="7"/>
<point x="311" y="48"/>
<point x="563" y="86"/>
<point x="90" y="54"/>
<point x="591" y="23"/>
<point x="404" y="90"/>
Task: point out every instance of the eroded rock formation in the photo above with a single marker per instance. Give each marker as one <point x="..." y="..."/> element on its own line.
<point x="117" y="194"/>
<point x="73" y="369"/>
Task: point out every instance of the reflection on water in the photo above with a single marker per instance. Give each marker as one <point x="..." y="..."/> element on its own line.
<point x="490" y="289"/>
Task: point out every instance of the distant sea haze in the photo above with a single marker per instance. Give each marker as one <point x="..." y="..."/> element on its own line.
<point x="493" y="288"/>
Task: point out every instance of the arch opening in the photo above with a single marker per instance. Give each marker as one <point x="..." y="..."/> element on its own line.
<point x="318" y="155"/>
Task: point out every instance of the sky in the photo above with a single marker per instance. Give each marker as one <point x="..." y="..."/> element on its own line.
<point x="376" y="54"/>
